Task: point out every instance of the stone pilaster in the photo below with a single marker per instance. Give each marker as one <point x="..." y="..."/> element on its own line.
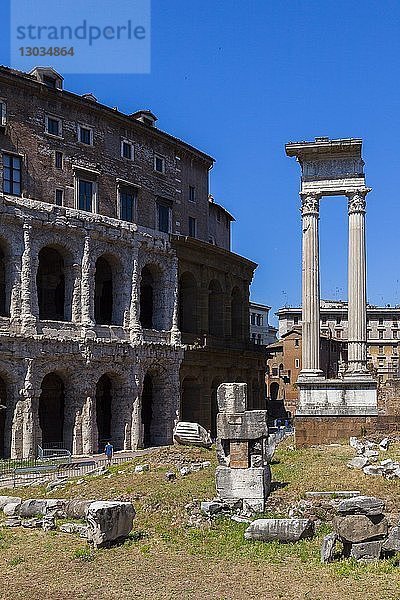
<point x="175" y="333"/>
<point x="87" y="299"/>
<point x="134" y="309"/>
<point x="310" y="286"/>
<point x="357" y="285"/>
<point x="27" y="276"/>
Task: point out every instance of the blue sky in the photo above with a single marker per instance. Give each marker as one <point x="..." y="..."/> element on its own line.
<point x="239" y="79"/>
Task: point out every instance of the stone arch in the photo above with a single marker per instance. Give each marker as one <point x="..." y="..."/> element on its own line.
<point x="152" y="298"/>
<point x="54" y="282"/>
<point x="51" y="410"/>
<point x="236" y="314"/>
<point x="188" y="303"/>
<point x="215" y="309"/>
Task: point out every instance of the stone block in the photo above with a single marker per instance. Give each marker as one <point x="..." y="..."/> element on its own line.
<point x="232" y="397"/>
<point x="32" y="508"/>
<point x="109" y="522"/>
<point x="76" y="509"/>
<point x="360" y="528"/>
<point x="243" y="484"/>
<point x="282" y="530"/>
<point x="12" y="508"/>
<point x="77" y="528"/>
<point x="358" y="462"/>
<point x="248" y="425"/>
<point x="366" y="551"/>
<point x="392" y="543"/>
<point x="361" y="505"/>
<point x="374" y="470"/>
<point x="191" y="434"/>
<point x="328" y="547"/>
<point x="8" y="500"/>
<point x="239" y="455"/>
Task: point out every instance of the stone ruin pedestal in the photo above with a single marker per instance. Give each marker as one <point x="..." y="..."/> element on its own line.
<point x="242" y="449"/>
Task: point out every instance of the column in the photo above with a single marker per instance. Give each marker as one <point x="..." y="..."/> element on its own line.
<point x="87" y="301"/>
<point x="27" y="280"/>
<point x="310" y="286"/>
<point x="357" y="285"/>
<point x="175" y="333"/>
<point x="134" y="309"/>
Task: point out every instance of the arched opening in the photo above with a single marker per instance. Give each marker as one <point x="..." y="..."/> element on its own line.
<point x="215" y="309"/>
<point x="192" y="407"/>
<point x="51" y="411"/>
<point x="147" y="411"/>
<point x="236" y="314"/>
<point x="214" y="407"/>
<point x="104" y="409"/>
<point x="103" y="294"/>
<point x="274" y="390"/>
<point x="3" y="409"/>
<point x="3" y="301"/>
<point x="50" y="281"/>
<point x="188" y="303"/>
<point x="146" y="299"/>
<point x="152" y="301"/>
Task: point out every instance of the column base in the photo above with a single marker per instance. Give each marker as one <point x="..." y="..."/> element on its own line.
<point x="310" y="373"/>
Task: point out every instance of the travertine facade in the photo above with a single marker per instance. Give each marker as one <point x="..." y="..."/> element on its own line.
<point x="98" y="213"/>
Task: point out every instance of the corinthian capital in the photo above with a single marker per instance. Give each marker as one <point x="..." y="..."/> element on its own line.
<point x="357" y="200"/>
<point x="310" y="204"/>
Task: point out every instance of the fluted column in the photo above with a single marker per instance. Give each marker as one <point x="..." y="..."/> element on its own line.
<point x="310" y="286"/>
<point x="357" y="284"/>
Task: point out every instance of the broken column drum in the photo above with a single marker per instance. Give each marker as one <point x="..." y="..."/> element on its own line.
<point x="242" y="435"/>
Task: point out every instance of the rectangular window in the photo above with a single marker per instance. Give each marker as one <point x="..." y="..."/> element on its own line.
<point x="395" y="350"/>
<point x="380" y="334"/>
<point x="49" y="81"/>
<point x="380" y="349"/>
<point x="274" y="371"/>
<point x="12" y="174"/>
<point x="53" y="126"/>
<point x="381" y="321"/>
<point x="297" y="363"/>
<point x="338" y="334"/>
<point x="59" y="197"/>
<point x="192" y="193"/>
<point x="127" y="150"/>
<point x="163" y="217"/>
<point x="295" y="320"/>
<point x="338" y="320"/>
<point x="3" y="113"/>
<point x="253" y="319"/>
<point x="127" y="204"/>
<point x="296" y="343"/>
<point x="159" y="164"/>
<point x="58" y="160"/>
<point x="85" y="195"/>
<point x="192" y="227"/>
<point x="395" y="334"/>
<point x="85" y="135"/>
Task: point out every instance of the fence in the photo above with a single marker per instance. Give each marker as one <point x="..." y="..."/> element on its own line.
<point x="36" y="473"/>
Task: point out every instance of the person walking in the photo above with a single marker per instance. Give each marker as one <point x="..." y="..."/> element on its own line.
<point x="109" y="452"/>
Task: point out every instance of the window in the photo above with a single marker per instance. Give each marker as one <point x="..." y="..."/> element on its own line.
<point x="259" y="341"/>
<point x="380" y="350"/>
<point x="127" y="203"/>
<point x="192" y="227"/>
<point x="259" y="320"/>
<point x="59" y="197"/>
<point x="253" y="336"/>
<point x="53" y="126"/>
<point x="338" y="334"/>
<point x="159" y="163"/>
<point x="12" y="174"/>
<point x="3" y="113"/>
<point x="49" y="81"/>
<point x="297" y="363"/>
<point x="127" y="150"/>
<point x="395" y="334"/>
<point x="85" y="195"/>
<point x="380" y="334"/>
<point x="395" y="350"/>
<point x="85" y="135"/>
<point x="295" y="320"/>
<point x="163" y="217"/>
<point x="338" y="320"/>
<point x="323" y="320"/>
<point x="253" y="319"/>
<point x="395" y="323"/>
<point x="192" y="193"/>
<point x="58" y="160"/>
<point x="274" y="371"/>
<point x="380" y="321"/>
<point x="296" y="342"/>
